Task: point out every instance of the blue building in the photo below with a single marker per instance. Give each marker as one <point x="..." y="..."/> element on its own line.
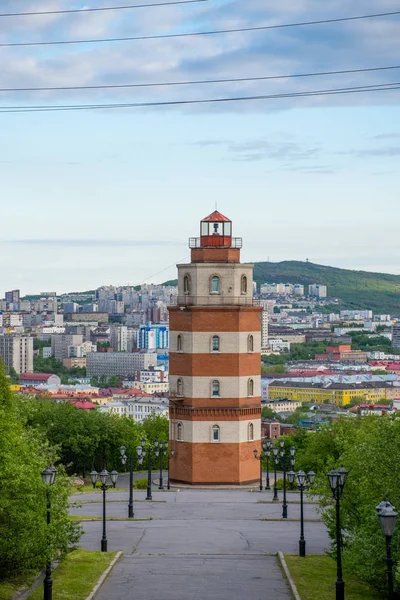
<point x="153" y="336"/>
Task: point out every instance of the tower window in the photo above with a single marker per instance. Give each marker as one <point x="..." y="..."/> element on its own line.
<point x="215" y="388"/>
<point x="244" y="284"/>
<point x="215" y="285"/>
<point x="186" y="284"/>
<point x="179" y="343"/>
<point x="250" y="432"/>
<point x="179" y="387"/>
<point x="215" y="342"/>
<point x="250" y="344"/>
<point x="179" y="432"/>
<point x="250" y="387"/>
<point x="215" y="433"/>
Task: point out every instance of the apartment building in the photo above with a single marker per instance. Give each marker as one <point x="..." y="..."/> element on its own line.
<point x="60" y="344"/>
<point x="122" y="364"/>
<point x="317" y="290"/>
<point x="16" y="352"/>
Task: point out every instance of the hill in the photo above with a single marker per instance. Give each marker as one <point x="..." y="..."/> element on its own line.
<point x="379" y="292"/>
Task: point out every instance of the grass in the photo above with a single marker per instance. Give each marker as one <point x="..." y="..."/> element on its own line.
<point x="315" y="578"/>
<point x="76" y="576"/>
<point x="86" y="489"/>
<point x="9" y="588"/>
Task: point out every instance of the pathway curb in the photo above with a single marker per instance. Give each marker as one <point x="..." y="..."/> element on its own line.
<point x="289" y="577"/>
<point x="103" y="576"/>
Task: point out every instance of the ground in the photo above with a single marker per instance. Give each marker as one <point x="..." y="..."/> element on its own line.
<point x="200" y="544"/>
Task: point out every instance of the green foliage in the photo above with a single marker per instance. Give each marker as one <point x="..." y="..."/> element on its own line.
<point x="369" y="448"/>
<point x="268" y="413"/>
<point x="13" y="375"/>
<point x="40" y="344"/>
<point x="52" y="365"/>
<point x="140" y="484"/>
<point x="296" y="416"/>
<point x="358" y="289"/>
<point x="26" y="542"/>
<point x="273" y="369"/>
<point x="105" y="381"/>
<point x="363" y="341"/>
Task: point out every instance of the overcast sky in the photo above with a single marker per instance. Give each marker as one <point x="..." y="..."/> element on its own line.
<point x="111" y="196"/>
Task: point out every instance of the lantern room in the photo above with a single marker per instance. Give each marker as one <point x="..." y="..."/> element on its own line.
<point x="215" y="230"/>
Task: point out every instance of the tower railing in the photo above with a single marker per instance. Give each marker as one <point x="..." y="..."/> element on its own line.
<point x="214" y="300"/>
<point x="216" y="242"/>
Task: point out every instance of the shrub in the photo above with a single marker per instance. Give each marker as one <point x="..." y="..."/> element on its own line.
<point x="140" y="484"/>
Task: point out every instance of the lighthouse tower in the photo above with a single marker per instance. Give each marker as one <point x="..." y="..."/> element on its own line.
<point x="215" y="344"/>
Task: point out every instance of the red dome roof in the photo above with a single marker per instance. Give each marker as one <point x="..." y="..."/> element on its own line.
<point x="216" y="217"/>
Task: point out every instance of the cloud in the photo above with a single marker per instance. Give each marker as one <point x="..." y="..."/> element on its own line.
<point x="355" y="44"/>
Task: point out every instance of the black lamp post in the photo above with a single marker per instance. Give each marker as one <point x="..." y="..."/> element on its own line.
<point x="255" y="452"/>
<point x="267" y="445"/>
<point x="95" y="476"/>
<point x="163" y="448"/>
<point x="48" y="478"/>
<point x="301" y="480"/>
<point x="387" y="516"/>
<point x="124" y="458"/>
<point x="141" y="452"/>
<point x="275" y="452"/>
<point x="170" y="455"/>
<point x="337" y="480"/>
<point x="285" y="466"/>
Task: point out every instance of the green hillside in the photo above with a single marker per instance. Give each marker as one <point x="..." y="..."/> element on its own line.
<point x="379" y="292"/>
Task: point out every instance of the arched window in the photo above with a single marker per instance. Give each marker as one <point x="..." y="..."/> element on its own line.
<point x="179" y="343"/>
<point x="179" y="387"/>
<point x="215" y="433"/>
<point x="250" y="344"/>
<point x="215" y="343"/>
<point x="215" y="388"/>
<point x="250" y="432"/>
<point x="186" y="284"/>
<point x="215" y="285"/>
<point x="250" y="387"/>
<point x="244" y="284"/>
<point x="179" y="432"/>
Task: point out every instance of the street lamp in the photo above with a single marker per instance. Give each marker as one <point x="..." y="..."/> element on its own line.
<point x="94" y="476"/>
<point x="387" y="516"/>
<point x="170" y="455"/>
<point x="337" y="481"/>
<point x="162" y="451"/>
<point x="124" y="458"/>
<point x="302" y="478"/>
<point x="275" y="452"/>
<point x="48" y="478"/>
<point x="255" y="452"/>
<point x="141" y="452"/>
<point x="285" y="465"/>
<point x="267" y="445"/>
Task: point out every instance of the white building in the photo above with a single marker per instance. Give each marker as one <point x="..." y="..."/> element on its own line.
<point x="264" y="328"/>
<point x="122" y="364"/>
<point x="356" y="315"/>
<point x="317" y="290"/>
<point x="16" y="352"/>
<point x="137" y="408"/>
<point x="298" y="289"/>
<point x="119" y="338"/>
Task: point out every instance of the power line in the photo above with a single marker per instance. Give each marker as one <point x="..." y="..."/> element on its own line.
<point x="197" y="33"/>
<point x="104" y="8"/>
<point x="54" y="108"/>
<point x="196" y="82"/>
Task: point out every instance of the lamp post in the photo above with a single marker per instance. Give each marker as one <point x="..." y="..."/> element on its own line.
<point x="387" y="516"/>
<point x="124" y="458"/>
<point x="337" y="480"/>
<point x="94" y="476"/>
<point x="170" y="455"/>
<point x="301" y="480"/>
<point x="48" y="478"/>
<point x="255" y="452"/>
<point x="275" y="452"/>
<point x="141" y="452"/>
<point x="267" y="445"/>
<point x="285" y="464"/>
<point x="163" y="446"/>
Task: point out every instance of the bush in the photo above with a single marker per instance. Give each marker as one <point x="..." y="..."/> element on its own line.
<point x="289" y="487"/>
<point x="140" y="484"/>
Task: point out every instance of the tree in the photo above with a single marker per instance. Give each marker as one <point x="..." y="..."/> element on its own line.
<point x="268" y="413"/>
<point x="25" y="540"/>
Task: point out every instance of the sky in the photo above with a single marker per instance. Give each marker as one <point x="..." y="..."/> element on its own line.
<point x="100" y="197"/>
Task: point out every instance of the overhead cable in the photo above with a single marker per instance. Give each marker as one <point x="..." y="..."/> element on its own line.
<point x="53" y="108"/>
<point x="196" y="33"/>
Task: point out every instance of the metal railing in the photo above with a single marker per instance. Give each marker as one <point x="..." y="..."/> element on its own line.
<point x="214" y="300"/>
<point x="217" y="242"/>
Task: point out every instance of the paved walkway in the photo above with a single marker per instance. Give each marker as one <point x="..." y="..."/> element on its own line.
<point x="199" y="545"/>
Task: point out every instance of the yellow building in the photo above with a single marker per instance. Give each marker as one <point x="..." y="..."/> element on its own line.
<point x="340" y="394"/>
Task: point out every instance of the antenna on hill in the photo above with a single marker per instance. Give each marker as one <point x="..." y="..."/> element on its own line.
<point x="307" y="260"/>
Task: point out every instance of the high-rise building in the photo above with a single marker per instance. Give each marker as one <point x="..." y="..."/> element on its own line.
<point x="264" y="328"/>
<point x="153" y="336"/>
<point x="119" y="338"/>
<point x="61" y="342"/>
<point x="16" y="352"/>
<point x="215" y="383"/>
<point x="396" y="335"/>
<point x="315" y="289"/>
<point x="13" y="297"/>
<point x="122" y="364"/>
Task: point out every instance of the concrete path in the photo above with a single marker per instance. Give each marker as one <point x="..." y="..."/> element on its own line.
<point x="200" y="545"/>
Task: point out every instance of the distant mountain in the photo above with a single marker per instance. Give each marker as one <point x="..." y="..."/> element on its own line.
<point x="379" y="292"/>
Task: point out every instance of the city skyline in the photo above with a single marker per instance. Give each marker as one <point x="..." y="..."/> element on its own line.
<point x="99" y="197"/>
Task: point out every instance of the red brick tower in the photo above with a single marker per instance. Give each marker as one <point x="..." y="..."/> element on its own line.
<point x="215" y="344"/>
